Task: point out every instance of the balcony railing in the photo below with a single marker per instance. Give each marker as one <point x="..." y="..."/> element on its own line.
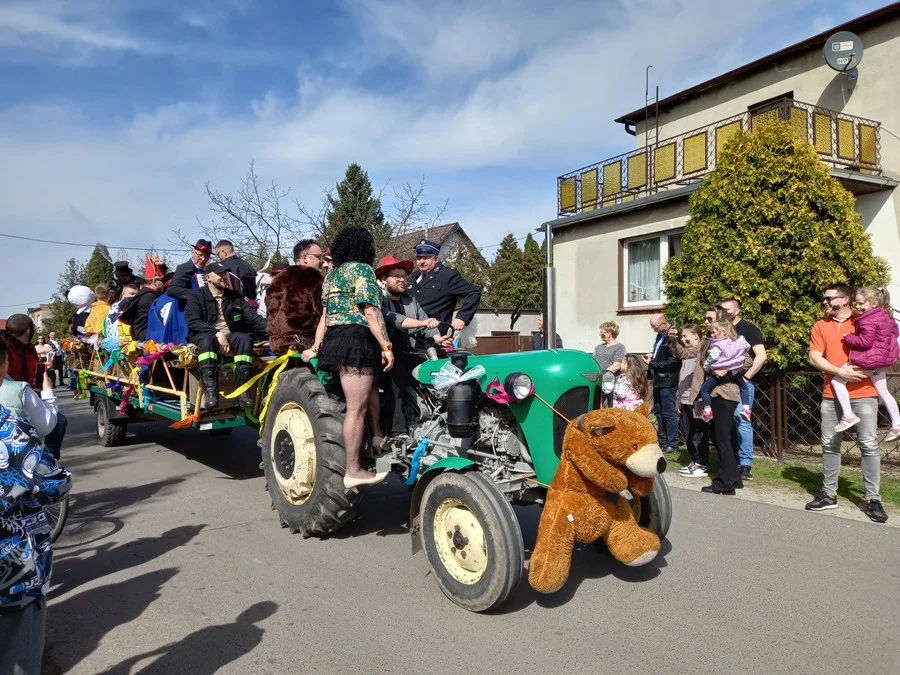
<point x="841" y="140"/>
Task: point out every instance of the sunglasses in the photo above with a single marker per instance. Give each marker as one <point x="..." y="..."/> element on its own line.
<point x="831" y="298"/>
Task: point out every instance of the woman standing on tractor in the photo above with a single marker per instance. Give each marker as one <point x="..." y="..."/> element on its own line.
<point x="352" y="341"/>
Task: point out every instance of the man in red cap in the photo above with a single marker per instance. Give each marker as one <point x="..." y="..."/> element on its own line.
<point x="190" y="275"/>
<point x="137" y="311"/>
<point x="412" y="332"/>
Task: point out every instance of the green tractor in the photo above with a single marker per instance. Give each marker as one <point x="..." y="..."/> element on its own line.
<point x="468" y="460"/>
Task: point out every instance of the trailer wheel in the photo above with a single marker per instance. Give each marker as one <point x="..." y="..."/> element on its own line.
<point x="109" y="432"/>
<point x="303" y="457"/>
<point x="472" y="540"/>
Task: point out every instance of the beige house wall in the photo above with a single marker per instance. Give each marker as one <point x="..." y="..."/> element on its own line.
<point x="586" y="258"/>
<point x="588" y="269"/>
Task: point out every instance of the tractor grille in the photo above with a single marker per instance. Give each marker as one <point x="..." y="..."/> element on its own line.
<point x="571" y="404"/>
<point x="598" y="397"/>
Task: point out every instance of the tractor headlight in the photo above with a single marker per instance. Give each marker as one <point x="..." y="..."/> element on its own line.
<point x="519" y="386"/>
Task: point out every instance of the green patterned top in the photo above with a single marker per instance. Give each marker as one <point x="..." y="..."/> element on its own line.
<point x="346" y="290"/>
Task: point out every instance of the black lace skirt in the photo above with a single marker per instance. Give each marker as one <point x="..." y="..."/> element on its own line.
<point x="350" y="348"/>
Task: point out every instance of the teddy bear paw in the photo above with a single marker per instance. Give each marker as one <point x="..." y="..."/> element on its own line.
<point x="643" y="559"/>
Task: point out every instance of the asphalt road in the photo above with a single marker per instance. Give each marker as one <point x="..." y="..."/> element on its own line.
<point x="173" y="562"/>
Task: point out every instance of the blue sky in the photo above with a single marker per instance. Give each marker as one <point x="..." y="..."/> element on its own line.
<point x="115" y="113"/>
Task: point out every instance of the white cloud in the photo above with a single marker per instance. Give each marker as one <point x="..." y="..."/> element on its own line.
<point x="504" y="87"/>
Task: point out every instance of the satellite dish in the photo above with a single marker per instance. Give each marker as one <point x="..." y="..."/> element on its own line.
<point x="843" y="51"/>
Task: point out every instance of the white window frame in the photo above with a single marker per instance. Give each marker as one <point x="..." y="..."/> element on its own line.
<point x="663" y="238"/>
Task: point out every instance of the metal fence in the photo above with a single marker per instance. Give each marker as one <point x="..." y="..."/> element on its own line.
<point x="787" y="418"/>
<point x="840" y="140"/>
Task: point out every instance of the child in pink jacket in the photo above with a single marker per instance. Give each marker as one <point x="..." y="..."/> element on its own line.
<point x="873" y="347"/>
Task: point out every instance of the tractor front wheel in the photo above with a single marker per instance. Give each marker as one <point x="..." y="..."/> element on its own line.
<point x="472" y="540"/>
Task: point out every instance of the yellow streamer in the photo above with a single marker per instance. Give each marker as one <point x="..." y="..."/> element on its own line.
<point x="272" y="386"/>
<point x="280" y="361"/>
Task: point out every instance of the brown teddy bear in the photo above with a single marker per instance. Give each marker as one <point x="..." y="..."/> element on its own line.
<point x="604" y="452"/>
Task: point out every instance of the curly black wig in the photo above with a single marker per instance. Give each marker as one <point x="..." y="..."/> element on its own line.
<point x="353" y="244"/>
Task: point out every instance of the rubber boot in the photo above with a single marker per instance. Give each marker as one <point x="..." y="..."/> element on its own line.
<point x="209" y="376"/>
<point x="242" y="375"/>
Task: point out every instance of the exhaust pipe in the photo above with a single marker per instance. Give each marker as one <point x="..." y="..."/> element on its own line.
<point x="549" y="278"/>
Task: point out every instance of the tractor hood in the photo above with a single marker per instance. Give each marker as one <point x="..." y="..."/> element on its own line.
<point x="553" y="372"/>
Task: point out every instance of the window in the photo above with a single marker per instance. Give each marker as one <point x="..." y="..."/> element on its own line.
<point x="643" y="262"/>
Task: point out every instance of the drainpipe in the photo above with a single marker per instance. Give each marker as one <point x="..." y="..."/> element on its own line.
<point x="549" y="290"/>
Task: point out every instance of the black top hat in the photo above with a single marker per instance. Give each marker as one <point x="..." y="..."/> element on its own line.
<point x="122" y="268"/>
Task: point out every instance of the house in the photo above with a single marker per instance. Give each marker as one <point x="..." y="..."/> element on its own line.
<point x="453" y="241"/>
<point x="621" y="219"/>
<point x="39" y="315"/>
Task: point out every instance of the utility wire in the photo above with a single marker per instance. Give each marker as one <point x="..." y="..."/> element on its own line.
<point x="160" y="250"/>
<point x="71" y="243"/>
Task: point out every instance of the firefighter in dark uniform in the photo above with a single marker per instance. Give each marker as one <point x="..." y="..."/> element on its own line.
<point x="438" y="288"/>
<point x="220" y="322"/>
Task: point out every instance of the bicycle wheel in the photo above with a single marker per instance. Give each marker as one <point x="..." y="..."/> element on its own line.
<point x="56" y="517"/>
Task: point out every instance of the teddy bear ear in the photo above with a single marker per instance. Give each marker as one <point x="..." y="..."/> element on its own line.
<point x="644" y="409"/>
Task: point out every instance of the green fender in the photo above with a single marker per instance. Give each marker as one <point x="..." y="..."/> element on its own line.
<point x="447" y="464"/>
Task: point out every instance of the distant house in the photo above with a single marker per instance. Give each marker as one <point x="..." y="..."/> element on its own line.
<point x="451" y="237"/>
<point x="453" y="241"/>
<point x="39" y="315"/>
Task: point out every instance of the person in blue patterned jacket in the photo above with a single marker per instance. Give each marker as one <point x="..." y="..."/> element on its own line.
<point x="29" y="480"/>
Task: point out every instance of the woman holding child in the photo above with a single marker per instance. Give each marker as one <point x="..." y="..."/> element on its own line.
<point x="724" y="394"/>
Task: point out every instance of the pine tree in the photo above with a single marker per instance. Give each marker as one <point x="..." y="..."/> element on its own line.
<point x="74" y="273"/>
<point x="354" y="204"/>
<point x="99" y="270"/>
<point x="770" y="227"/>
<point x="515" y="277"/>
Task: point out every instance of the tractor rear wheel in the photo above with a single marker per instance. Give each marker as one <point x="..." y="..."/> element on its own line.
<point x="303" y="457"/>
<point x="472" y="540"/>
<point x="653" y="511"/>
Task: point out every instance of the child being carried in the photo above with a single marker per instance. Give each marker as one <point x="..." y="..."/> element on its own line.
<point x="874" y="348"/>
<point x="726" y="353"/>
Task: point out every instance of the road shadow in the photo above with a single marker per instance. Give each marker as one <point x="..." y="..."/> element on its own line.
<point x="207" y="650"/>
<point x="236" y="454"/>
<point x="811" y="481"/>
<point x="76" y="625"/>
<point x="383" y="511"/>
<point x="75" y="569"/>
<point x="98" y="514"/>
<point x="589" y="562"/>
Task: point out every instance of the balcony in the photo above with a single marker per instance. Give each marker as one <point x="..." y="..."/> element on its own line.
<point x="841" y="140"/>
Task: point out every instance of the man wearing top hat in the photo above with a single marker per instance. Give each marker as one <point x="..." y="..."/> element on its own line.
<point x="136" y="311"/>
<point x="190" y="275"/>
<point x="437" y="288"/>
<point x="124" y="275"/>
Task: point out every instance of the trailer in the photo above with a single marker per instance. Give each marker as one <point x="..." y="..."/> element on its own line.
<point x="146" y="382"/>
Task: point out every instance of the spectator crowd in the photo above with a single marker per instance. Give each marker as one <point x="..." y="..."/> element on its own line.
<point x="701" y="383"/>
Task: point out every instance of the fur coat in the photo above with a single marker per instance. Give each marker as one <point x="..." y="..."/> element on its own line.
<point x="293" y="308"/>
